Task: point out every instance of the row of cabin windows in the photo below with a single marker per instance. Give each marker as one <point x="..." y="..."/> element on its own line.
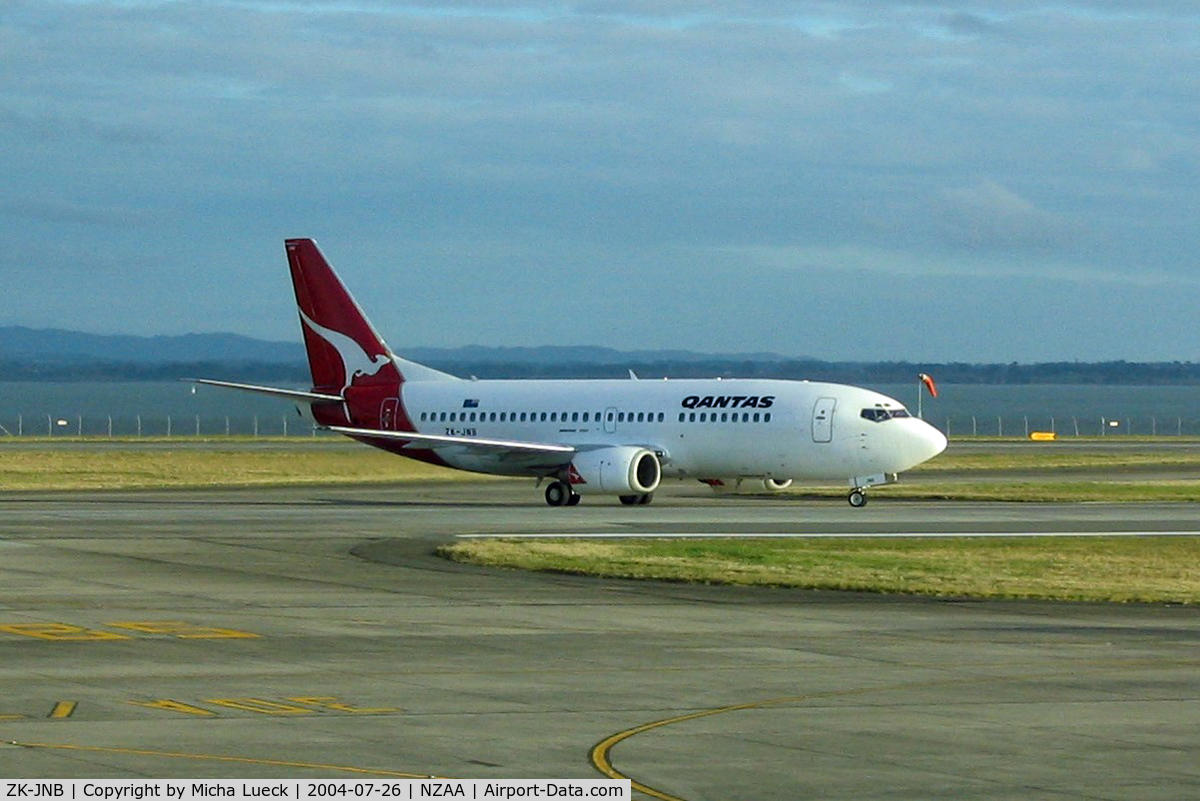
<point x="586" y="417"/>
<point x="535" y="417"/>
<point x="725" y="417"/>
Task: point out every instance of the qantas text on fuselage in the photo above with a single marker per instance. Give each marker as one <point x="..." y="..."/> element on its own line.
<point x="728" y="402"/>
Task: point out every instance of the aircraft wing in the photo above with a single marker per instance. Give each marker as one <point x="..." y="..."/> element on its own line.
<point x="434" y="441"/>
<point x="290" y="394"/>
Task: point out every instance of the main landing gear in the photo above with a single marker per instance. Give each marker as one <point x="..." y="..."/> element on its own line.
<point x="857" y="498"/>
<point x="559" y="493"/>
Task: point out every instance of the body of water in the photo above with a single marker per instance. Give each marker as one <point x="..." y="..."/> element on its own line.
<point x="1053" y="407"/>
<point x="35" y="408"/>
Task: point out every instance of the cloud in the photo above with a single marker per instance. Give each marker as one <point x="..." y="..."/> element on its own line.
<point x="64" y="212"/>
<point x="694" y="142"/>
<point x="988" y="216"/>
<point x="872" y="263"/>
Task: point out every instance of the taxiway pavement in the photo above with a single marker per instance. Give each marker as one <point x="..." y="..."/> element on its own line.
<point x="285" y="632"/>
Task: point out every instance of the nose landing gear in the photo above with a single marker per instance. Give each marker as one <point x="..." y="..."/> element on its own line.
<point x="859" y="485"/>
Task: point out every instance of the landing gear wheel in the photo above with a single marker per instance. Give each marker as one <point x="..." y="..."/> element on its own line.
<point x="645" y="499"/>
<point x="857" y="498"/>
<point x="574" y="499"/>
<point x="558" y="494"/>
<point x="629" y="500"/>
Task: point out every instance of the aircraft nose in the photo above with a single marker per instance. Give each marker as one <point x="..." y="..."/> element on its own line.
<point x="928" y="442"/>
<point x="915" y="443"/>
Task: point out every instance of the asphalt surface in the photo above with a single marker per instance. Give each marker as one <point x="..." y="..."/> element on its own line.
<point x="310" y="632"/>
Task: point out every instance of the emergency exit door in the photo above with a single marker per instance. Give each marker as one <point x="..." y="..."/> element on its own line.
<point x="822" y="422"/>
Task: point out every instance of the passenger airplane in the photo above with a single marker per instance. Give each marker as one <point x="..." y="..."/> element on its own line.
<point x="601" y="437"/>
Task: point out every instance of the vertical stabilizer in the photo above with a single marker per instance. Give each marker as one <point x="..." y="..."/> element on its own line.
<point x="346" y="355"/>
<point x="342" y="344"/>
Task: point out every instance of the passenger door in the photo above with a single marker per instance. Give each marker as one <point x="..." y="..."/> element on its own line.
<point x="822" y="422"/>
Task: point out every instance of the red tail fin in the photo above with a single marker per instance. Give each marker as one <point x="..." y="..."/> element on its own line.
<point x="343" y="348"/>
<point x="345" y="354"/>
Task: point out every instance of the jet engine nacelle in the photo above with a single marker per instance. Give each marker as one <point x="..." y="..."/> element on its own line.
<point x="625" y="470"/>
<point x="776" y="484"/>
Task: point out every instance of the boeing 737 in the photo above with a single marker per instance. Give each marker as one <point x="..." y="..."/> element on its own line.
<point x="590" y="437"/>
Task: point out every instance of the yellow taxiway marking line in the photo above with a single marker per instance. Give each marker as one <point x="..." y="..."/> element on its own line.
<point x="218" y="758"/>
<point x="600" y="751"/>
<point x="602" y="762"/>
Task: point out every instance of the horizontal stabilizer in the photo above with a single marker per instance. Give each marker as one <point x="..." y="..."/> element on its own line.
<point x="443" y="440"/>
<point x="290" y="394"/>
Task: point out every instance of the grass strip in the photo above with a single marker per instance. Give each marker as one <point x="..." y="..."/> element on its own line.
<point x="100" y="463"/>
<point x="1120" y="569"/>
<point x="116" y="468"/>
<point x="1035" y="458"/>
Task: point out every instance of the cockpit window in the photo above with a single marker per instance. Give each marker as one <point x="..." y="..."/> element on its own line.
<point x="879" y="414"/>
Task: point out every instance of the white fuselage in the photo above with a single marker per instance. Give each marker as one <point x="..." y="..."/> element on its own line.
<point x="700" y="428"/>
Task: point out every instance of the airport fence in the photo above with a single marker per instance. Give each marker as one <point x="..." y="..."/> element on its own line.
<point x="1089" y="426"/>
<point x="292" y="425"/>
<point x="57" y="425"/>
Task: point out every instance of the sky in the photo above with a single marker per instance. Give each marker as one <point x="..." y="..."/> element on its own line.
<point x="851" y="180"/>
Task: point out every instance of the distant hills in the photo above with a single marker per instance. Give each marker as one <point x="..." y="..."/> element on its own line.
<point x="28" y="354"/>
<point x="575" y="354"/>
<point x="58" y="346"/>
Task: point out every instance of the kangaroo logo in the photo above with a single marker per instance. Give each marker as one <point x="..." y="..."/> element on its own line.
<point x="355" y="359"/>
